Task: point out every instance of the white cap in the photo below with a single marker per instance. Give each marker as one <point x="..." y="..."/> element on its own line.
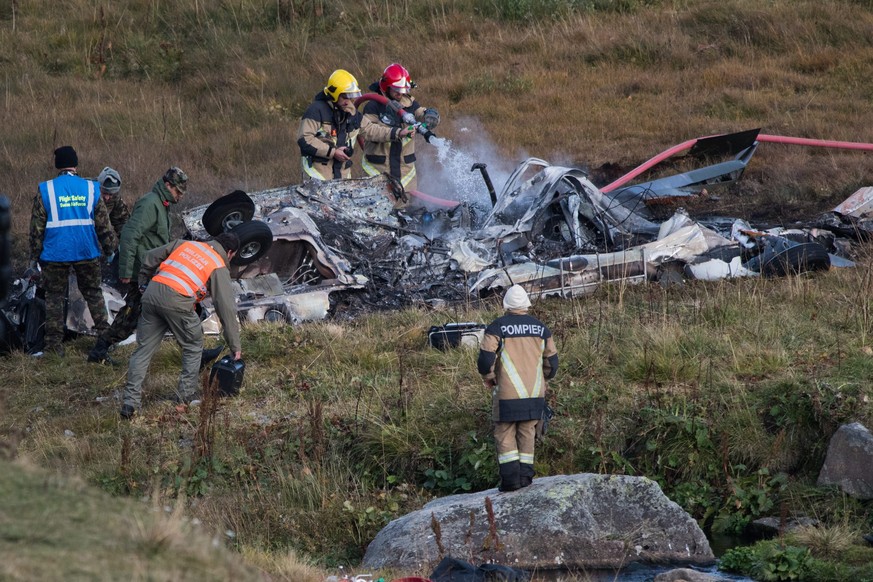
<point x="109" y="180"/>
<point x="516" y="298"/>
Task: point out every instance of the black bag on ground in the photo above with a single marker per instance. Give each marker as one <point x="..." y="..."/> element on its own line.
<point x="229" y="373"/>
<point x="451" y="335"/>
<point x="454" y="570"/>
<point x="32" y="327"/>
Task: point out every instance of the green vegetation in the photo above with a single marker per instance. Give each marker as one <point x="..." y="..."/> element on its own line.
<point x="724" y="393"/>
<point x="332" y="436"/>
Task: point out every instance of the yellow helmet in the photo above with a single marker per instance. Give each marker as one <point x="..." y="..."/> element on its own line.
<point x="342" y="83"/>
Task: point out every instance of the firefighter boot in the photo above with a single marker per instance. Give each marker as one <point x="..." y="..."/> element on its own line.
<point x="510" y="477"/>
<point x="100" y="353"/>
<point x="527" y="474"/>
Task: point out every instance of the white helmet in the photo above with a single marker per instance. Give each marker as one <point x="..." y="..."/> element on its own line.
<point x="516" y="298"/>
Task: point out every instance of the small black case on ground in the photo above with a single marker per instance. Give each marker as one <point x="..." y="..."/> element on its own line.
<point x="452" y="335"/>
<point x="229" y="373"/>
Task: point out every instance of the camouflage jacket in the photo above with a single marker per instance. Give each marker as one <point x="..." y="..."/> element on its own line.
<point x="147" y="228"/>
<point x="102" y="225"/>
<point x="119" y="213"/>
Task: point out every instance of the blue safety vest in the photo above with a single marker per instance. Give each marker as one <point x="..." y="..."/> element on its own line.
<point x="70" y="236"/>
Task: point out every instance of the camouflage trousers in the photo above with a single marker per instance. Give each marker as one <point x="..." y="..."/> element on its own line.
<point x="54" y="280"/>
<point x="125" y="321"/>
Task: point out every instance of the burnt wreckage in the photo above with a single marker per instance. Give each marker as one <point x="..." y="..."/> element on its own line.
<point x="324" y="247"/>
<point x="549" y="229"/>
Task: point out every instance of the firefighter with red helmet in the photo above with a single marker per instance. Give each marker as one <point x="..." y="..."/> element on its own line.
<point x="389" y="144"/>
<point x="329" y="127"/>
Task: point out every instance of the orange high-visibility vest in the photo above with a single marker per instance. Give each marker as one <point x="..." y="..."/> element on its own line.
<point x="188" y="268"/>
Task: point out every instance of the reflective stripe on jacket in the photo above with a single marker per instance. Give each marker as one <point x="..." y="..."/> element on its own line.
<point x="70" y="235"/>
<point x="324" y="128"/>
<point x="519" y="352"/>
<point x="188" y="268"/>
<point x="383" y="151"/>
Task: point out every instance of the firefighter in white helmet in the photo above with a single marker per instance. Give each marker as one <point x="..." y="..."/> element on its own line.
<point x="516" y="358"/>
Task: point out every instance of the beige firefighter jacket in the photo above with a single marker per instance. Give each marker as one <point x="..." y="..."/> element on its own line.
<point x="384" y="152"/>
<point x="323" y="129"/>
<point x="519" y="353"/>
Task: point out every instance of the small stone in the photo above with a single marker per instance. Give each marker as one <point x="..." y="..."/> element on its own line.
<point x="69" y="434"/>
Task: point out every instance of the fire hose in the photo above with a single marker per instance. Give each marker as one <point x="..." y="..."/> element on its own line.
<point x="761" y="137"/>
<point x="406" y="117"/>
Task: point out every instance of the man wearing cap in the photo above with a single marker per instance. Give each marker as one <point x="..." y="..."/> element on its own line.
<point x="147" y="228"/>
<point x="69" y="227"/>
<point x="176" y="277"/>
<point x="516" y="358"/>
<point x="110" y="190"/>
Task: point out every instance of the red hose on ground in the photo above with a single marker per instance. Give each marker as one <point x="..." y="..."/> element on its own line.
<point x="649" y="164"/>
<point x="849" y="145"/>
<point x="433" y="199"/>
<point x="824" y="143"/>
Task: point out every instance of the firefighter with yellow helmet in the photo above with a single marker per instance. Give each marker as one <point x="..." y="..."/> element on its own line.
<point x="328" y="129"/>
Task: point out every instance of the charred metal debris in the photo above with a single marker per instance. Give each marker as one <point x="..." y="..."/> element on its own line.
<point x="549" y="229"/>
<point x="343" y="247"/>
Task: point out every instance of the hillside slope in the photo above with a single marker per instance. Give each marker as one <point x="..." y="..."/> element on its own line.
<point x="218" y="88"/>
<point x="59" y="528"/>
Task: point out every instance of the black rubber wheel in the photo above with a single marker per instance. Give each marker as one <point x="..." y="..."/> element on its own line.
<point x="255" y="239"/>
<point x="228" y="212"/>
<point x="803" y="258"/>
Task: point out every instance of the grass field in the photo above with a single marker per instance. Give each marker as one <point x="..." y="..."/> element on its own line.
<point x="726" y="393"/>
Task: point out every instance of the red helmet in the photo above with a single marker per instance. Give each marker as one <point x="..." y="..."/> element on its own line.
<point x="395" y="77"/>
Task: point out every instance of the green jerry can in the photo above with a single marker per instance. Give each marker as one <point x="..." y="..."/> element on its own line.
<point x="229" y="373"/>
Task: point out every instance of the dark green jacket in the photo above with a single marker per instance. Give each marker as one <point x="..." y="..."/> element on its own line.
<point x="147" y="228"/>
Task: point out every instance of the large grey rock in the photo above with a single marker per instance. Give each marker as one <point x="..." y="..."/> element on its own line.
<point x="849" y="461"/>
<point x="576" y="521"/>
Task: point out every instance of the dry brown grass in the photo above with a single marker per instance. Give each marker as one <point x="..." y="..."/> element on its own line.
<point x="826" y="541"/>
<point x="219" y="90"/>
<point x="287" y="566"/>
